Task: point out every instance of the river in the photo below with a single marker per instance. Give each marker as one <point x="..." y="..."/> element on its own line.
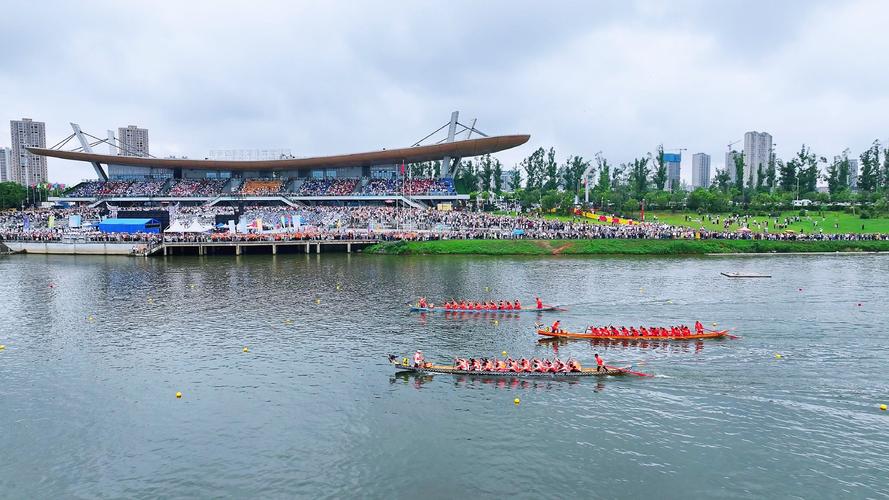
<point x="97" y="347"/>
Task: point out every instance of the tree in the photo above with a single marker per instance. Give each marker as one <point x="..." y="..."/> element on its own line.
<point x="738" y="158"/>
<point x="760" y="178"/>
<point x="722" y="181"/>
<point x="550" y="171"/>
<point x="572" y="172"/>
<point x="515" y="179"/>
<point x="843" y="174"/>
<point x="638" y="176"/>
<point x="833" y="177"/>
<point x="885" y="174"/>
<point x="808" y="170"/>
<point x="789" y="172"/>
<point x="12" y="195"/>
<point x="465" y="177"/>
<point x="498" y="176"/>
<point x="534" y="170"/>
<point x="869" y="175"/>
<point x="485" y="172"/>
<point x="771" y="171"/>
<point x="604" y="184"/>
<point x="660" y="170"/>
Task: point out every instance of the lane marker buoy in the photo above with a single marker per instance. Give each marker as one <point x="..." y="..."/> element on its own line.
<point x="778" y="356"/>
<point x="504" y="353"/>
<point x="246" y="350"/>
<point x="517" y="401"/>
<point x="883" y="407"/>
<point x="178" y="395"/>
<point x="2" y="347"/>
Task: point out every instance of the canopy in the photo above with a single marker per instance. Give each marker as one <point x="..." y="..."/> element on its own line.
<point x="197" y="227"/>
<point x="130" y="226"/>
<point x="176" y="227"/>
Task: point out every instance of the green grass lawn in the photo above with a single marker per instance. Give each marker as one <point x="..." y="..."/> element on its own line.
<point x="845" y="223"/>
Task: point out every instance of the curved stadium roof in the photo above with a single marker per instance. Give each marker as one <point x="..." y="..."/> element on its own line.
<point x="457" y="149"/>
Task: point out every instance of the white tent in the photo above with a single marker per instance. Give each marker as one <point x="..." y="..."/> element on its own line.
<point x="176" y="227"/>
<point x="197" y="227"/>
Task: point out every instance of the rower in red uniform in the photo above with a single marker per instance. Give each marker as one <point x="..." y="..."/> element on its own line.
<point x="699" y="328"/>
<point x="556" y="328"/>
<point x="600" y="363"/>
<point x="517" y="305"/>
<point x="539" y="302"/>
<point x="419" y="359"/>
<point x="422" y="302"/>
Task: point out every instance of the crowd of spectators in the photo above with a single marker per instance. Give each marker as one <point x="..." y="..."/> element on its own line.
<point x="261" y="187"/>
<point x="378" y="222"/>
<point x="379" y="187"/>
<point x="196" y="187"/>
<point x="326" y="187"/>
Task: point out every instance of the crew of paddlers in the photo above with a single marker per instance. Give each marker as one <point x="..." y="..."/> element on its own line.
<point x="485" y="305"/>
<point x="652" y="331"/>
<point x="523" y="365"/>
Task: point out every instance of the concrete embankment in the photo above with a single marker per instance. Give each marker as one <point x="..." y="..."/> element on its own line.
<point x="86" y="248"/>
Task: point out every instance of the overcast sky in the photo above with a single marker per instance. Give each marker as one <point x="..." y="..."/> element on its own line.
<point x="335" y="77"/>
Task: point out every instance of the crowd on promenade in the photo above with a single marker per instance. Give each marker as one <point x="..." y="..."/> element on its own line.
<point x="383" y="223"/>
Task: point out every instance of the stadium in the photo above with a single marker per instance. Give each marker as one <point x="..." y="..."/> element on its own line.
<point x="418" y="176"/>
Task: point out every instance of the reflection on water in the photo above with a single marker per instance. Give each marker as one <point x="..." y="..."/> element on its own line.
<point x="92" y="364"/>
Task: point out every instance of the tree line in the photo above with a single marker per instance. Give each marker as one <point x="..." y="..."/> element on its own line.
<point x="552" y="181"/>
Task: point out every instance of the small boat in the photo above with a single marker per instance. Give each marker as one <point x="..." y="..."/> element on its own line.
<point x="545" y="308"/>
<point x="746" y="275"/>
<point x="405" y="366"/>
<point x="708" y="334"/>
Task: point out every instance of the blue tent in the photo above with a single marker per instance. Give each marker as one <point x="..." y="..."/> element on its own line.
<point x="130" y="226"/>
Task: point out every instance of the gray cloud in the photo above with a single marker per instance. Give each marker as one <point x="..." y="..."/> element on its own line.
<point x="332" y="77"/>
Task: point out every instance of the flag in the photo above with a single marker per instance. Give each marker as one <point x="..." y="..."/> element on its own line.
<point x="643" y="210"/>
<point x="402" y="167"/>
<point x="51" y="223"/>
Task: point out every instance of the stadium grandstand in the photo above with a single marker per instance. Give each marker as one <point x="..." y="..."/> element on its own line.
<point x="370" y="178"/>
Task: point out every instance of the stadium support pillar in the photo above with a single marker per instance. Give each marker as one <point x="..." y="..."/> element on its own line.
<point x="308" y="248"/>
<point x="317" y="247"/>
<point x="348" y="248"/>
<point x="452" y="130"/>
<point x="274" y="249"/>
<point x="165" y="250"/>
<point x="237" y="249"/>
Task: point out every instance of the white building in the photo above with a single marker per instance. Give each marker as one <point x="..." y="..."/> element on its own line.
<point x="757" y="152"/>
<point x="249" y="154"/>
<point x="730" y="165"/>
<point x="5" y="164"/>
<point x="853" y="174"/>
<point x="700" y="170"/>
<point x="27" y="168"/>
<point x="132" y="141"/>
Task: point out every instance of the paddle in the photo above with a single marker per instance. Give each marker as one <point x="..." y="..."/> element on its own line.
<point x="631" y="372"/>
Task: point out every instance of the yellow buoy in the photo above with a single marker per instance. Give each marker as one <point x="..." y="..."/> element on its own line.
<point x="517" y="401"/>
<point x="778" y="356"/>
<point x="246" y="350"/>
<point x="2" y="347"/>
<point x="714" y="323"/>
<point x="882" y="407"/>
<point x="496" y="322"/>
<point x="317" y="301"/>
<point x="503" y="353"/>
<point x="178" y="395"/>
<point x="89" y="318"/>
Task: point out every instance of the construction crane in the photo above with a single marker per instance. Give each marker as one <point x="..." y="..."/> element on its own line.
<point x="732" y="144"/>
<point x="676" y="149"/>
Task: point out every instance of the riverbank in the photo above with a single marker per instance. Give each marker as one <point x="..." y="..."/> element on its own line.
<point x="621" y="247"/>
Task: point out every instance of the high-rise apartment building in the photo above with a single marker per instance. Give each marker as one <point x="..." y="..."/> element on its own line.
<point x="853" y="174"/>
<point x="757" y="153"/>
<point x="27" y="168"/>
<point x="700" y="170"/>
<point x="133" y="141"/>
<point x="673" y="161"/>
<point x="730" y="165"/>
<point x="5" y="164"/>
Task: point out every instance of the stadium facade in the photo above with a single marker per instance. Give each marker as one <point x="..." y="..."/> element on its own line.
<point x="356" y="178"/>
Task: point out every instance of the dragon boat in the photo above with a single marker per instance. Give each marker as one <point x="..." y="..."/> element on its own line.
<point x="429" y="368"/>
<point x="708" y="334"/>
<point x="545" y="308"/>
